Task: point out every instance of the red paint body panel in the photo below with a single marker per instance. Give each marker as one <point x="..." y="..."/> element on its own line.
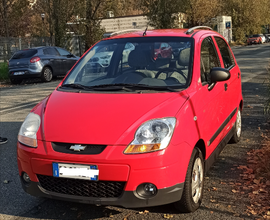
<point x="95" y="116"/>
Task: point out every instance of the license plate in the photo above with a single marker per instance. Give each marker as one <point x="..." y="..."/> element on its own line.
<point x="75" y="171"/>
<point x="18" y="73"/>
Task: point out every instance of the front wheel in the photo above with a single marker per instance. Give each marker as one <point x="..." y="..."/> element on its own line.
<point x="46" y="74"/>
<point x="193" y="187"/>
<point x="237" y="128"/>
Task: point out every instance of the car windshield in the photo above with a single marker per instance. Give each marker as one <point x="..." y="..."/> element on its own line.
<point x="135" y="62"/>
<point x="255" y="35"/>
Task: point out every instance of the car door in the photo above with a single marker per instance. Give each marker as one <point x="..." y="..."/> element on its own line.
<point x="53" y="59"/>
<point x="233" y="85"/>
<point x="208" y="104"/>
<point x="68" y="59"/>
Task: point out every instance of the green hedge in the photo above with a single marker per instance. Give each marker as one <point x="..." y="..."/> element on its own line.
<point x="3" y="71"/>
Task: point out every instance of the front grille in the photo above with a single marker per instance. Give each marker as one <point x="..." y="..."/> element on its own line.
<point x="86" y="188"/>
<point x="89" y="149"/>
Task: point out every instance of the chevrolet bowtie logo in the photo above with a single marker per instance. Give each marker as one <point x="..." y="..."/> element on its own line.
<point x="77" y="147"/>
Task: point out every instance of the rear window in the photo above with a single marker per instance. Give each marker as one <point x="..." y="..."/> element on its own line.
<point x="24" y="54"/>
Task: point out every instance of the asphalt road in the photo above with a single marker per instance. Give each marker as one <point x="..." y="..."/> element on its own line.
<point x="219" y="200"/>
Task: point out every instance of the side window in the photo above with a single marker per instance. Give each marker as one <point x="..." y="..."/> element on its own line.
<point x="225" y="53"/>
<point x="209" y="59"/>
<point x="63" y="52"/>
<point x="51" y="51"/>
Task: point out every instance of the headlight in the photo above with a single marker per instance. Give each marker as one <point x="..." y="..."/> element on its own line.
<point x="152" y="136"/>
<point x="28" y="131"/>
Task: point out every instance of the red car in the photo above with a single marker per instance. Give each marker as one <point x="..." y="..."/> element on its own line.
<point x="143" y="132"/>
<point x="162" y="50"/>
<point x="254" y="39"/>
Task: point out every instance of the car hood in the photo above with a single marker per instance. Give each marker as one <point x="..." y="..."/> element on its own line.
<point x="110" y="119"/>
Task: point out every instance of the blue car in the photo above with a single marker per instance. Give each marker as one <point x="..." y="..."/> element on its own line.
<point x="40" y="62"/>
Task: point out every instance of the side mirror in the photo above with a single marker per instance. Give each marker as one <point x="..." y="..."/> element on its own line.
<point x="70" y="55"/>
<point x="219" y="74"/>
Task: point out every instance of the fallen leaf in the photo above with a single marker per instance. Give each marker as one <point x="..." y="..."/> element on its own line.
<point x="257" y="181"/>
<point x="214" y="188"/>
<point x="235" y="191"/>
<point x="262" y="191"/>
<point x="255" y="192"/>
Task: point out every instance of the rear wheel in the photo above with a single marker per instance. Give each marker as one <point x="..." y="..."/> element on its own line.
<point x="237" y="128"/>
<point x="46" y="74"/>
<point x="16" y="81"/>
<point x="193" y="187"/>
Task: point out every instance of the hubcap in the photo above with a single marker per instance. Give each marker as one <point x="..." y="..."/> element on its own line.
<point x="197" y="180"/>
<point x="238" y="124"/>
<point x="48" y="74"/>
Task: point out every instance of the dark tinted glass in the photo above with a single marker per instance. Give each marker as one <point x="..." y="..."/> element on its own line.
<point x="225" y="52"/>
<point x="24" y="54"/>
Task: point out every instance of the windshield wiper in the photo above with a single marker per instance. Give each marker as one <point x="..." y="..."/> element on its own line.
<point x="125" y="86"/>
<point x="120" y="86"/>
<point x="76" y="86"/>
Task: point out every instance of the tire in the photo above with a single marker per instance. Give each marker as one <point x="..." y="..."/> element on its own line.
<point x="237" y="129"/>
<point x="16" y="81"/>
<point x="47" y="74"/>
<point x="192" y="199"/>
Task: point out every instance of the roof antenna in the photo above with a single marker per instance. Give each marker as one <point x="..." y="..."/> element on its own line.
<point x="144" y="33"/>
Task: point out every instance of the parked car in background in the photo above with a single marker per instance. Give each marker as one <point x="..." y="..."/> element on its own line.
<point x="263" y="38"/>
<point x="162" y="50"/>
<point x="142" y="132"/>
<point x="267" y="37"/>
<point x="42" y="62"/>
<point x="102" y="59"/>
<point x="254" y="39"/>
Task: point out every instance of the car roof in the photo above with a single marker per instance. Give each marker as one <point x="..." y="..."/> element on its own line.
<point x="162" y="33"/>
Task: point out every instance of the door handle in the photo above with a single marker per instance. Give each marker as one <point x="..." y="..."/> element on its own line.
<point x="225" y="86"/>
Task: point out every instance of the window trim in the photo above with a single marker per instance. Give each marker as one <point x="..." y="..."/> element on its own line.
<point x="216" y="52"/>
<point x="229" y="51"/>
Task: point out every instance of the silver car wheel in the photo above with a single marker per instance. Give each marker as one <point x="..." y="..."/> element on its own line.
<point x="47" y="74"/>
<point x="197" y="180"/>
<point x="238" y="124"/>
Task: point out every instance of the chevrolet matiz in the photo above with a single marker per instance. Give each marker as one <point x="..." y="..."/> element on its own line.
<point x="142" y="132"/>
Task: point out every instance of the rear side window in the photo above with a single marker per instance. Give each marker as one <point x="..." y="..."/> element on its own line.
<point x="63" y="52"/>
<point x="225" y="53"/>
<point x="50" y="51"/>
<point x="209" y="59"/>
<point x="24" y="54"/>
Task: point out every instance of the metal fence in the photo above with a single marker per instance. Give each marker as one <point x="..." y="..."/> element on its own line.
<point x="74" y="44"/>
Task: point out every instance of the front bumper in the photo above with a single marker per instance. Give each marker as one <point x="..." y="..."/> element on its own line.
<point x="128" y="199"/>
<point x="165" y="169"/>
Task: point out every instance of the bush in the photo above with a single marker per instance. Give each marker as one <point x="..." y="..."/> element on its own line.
<point x="3" y="71"/>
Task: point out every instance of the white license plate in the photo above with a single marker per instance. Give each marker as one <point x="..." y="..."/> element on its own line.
<point x="75" y="171"/>
<point x="18" y="73"/>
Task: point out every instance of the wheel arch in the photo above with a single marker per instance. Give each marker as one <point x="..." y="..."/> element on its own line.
<point x="201" y="145"/>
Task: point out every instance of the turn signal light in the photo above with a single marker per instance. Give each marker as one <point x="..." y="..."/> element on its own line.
<point x="141" y="148"/>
